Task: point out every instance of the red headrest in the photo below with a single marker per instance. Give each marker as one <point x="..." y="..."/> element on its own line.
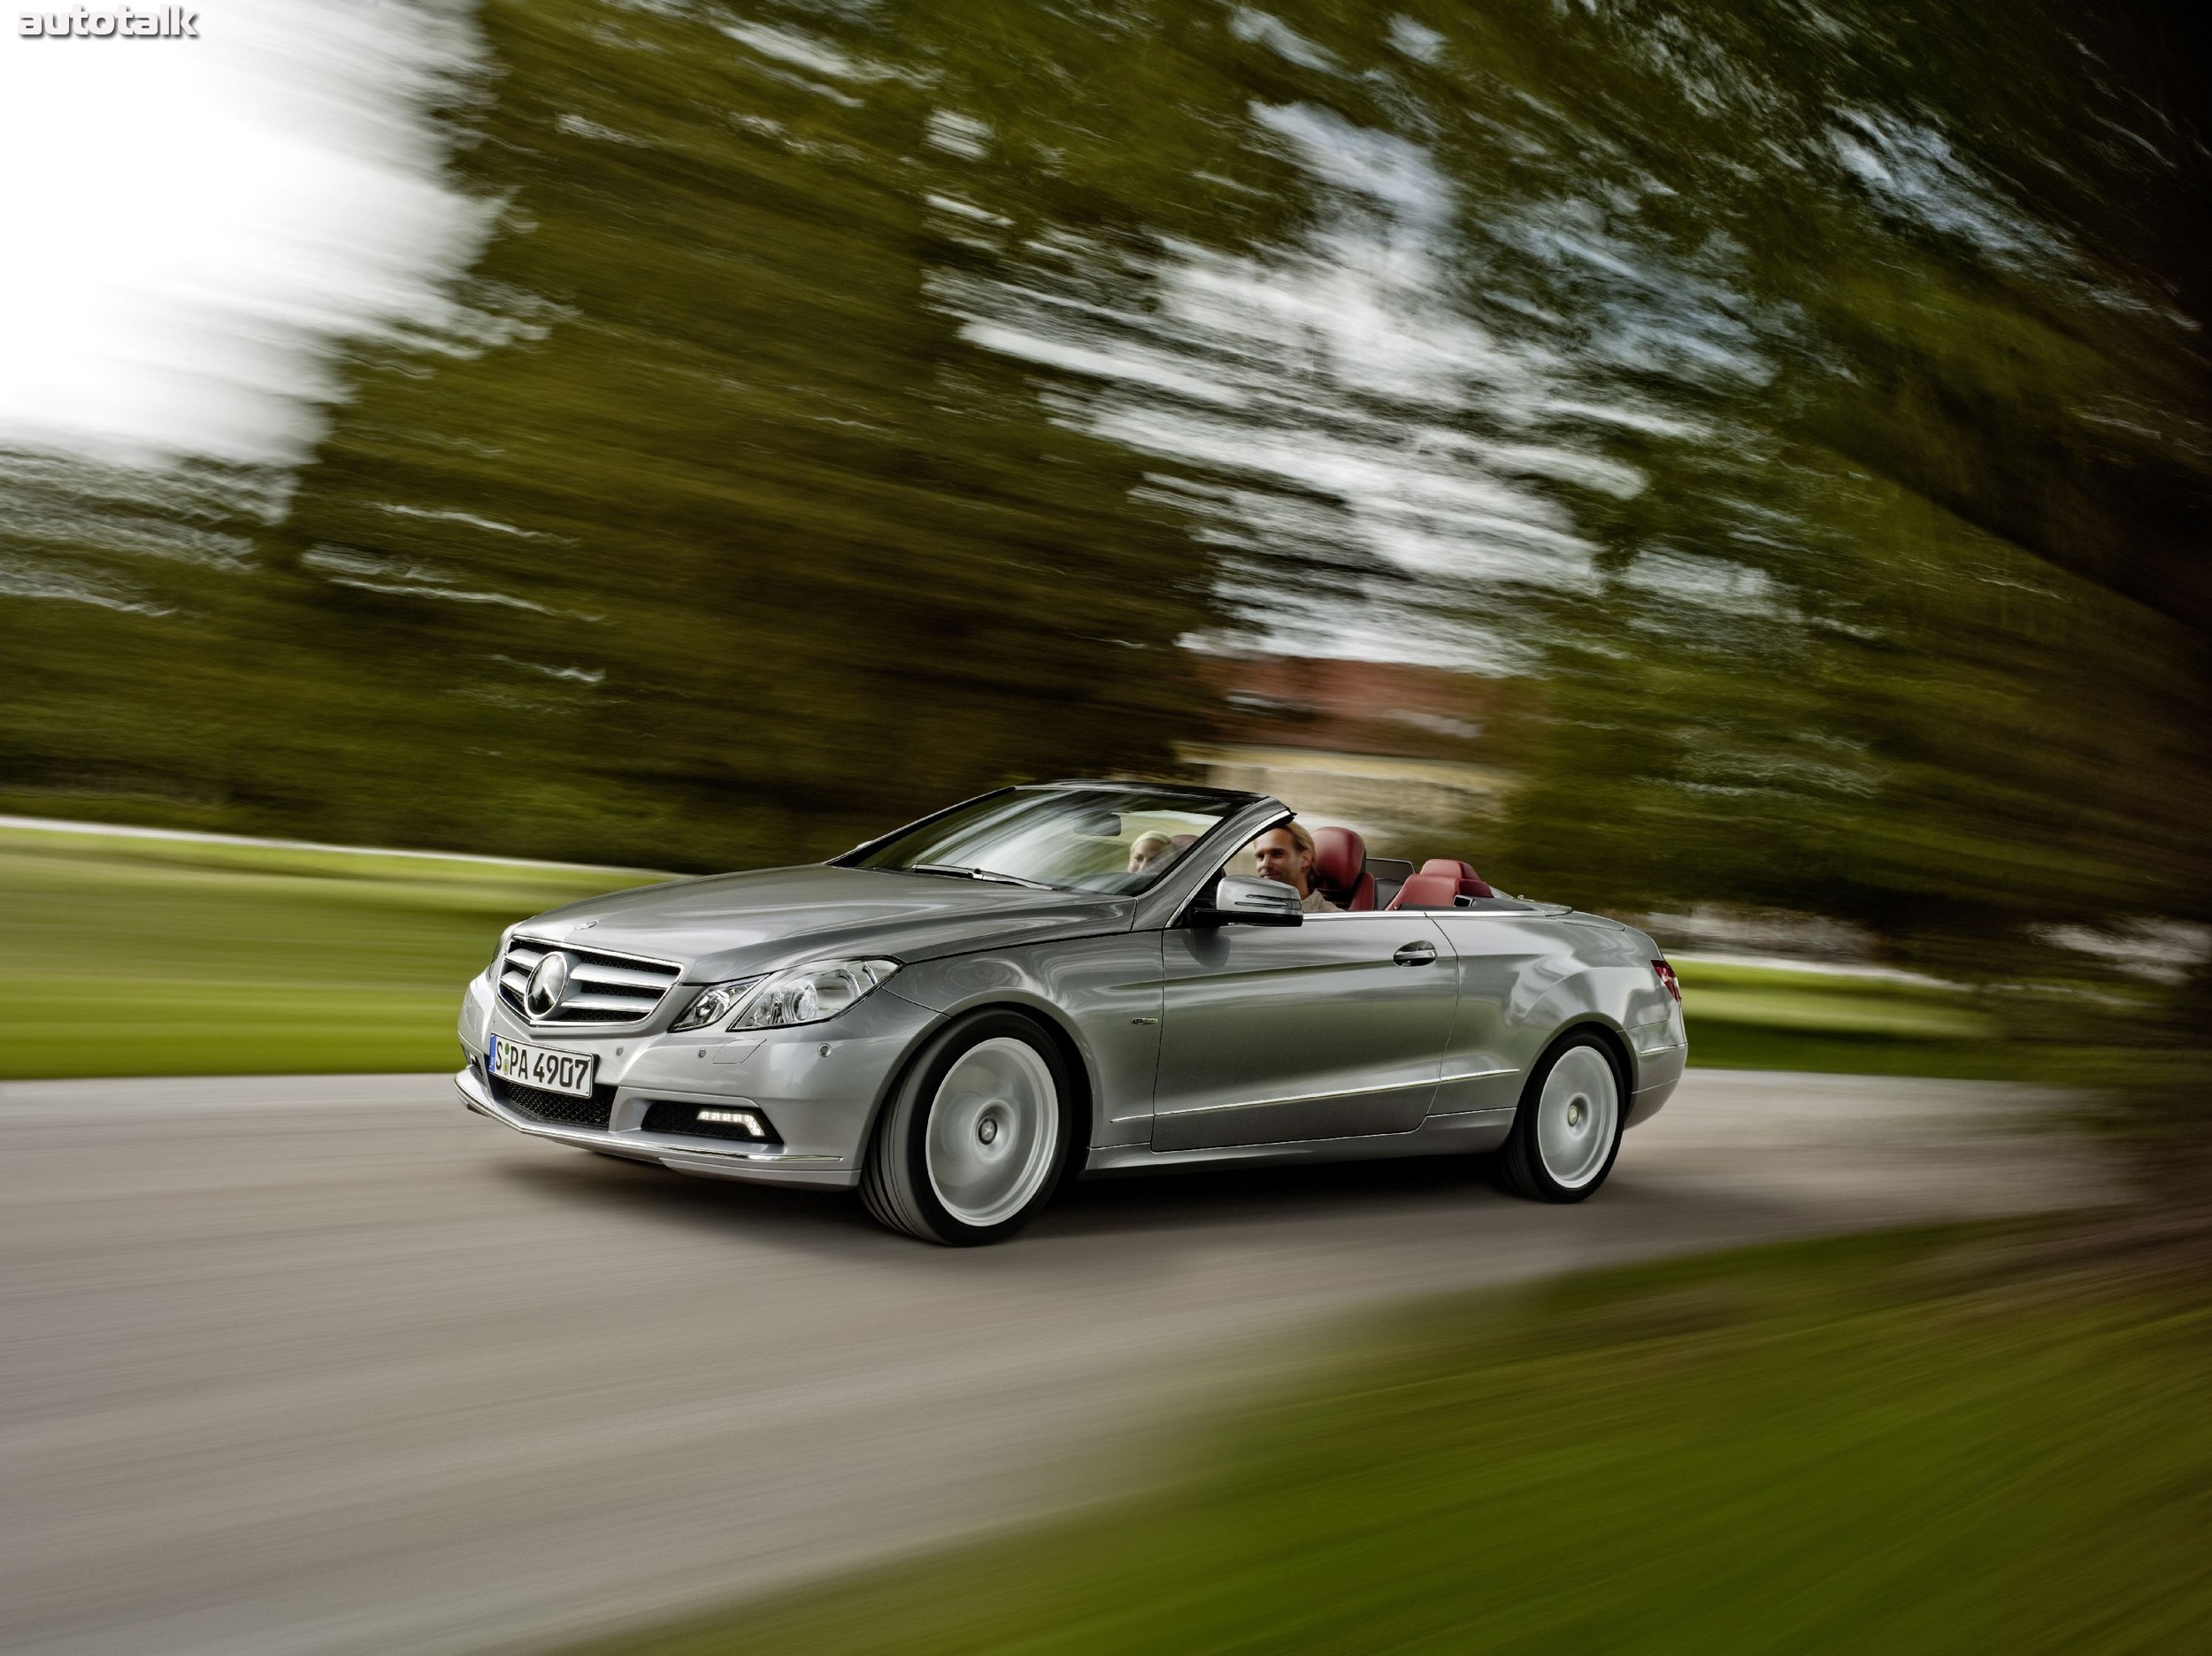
<point x="1340" y="857"/>
<point x="1470" y="883"/>
<point x="1425" y="890"/>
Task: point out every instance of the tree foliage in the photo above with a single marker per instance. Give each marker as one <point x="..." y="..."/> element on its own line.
<point x="859" y="405"/>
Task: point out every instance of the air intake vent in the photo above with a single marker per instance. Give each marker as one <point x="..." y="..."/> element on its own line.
<point x="557" y="1109"/>
<point x="600" y="988"/>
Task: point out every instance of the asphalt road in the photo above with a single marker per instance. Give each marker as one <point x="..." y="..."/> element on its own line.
<point x="325" y="1365"/>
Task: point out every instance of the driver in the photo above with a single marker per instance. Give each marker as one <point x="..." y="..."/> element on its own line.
<point x="1285" y="854"/>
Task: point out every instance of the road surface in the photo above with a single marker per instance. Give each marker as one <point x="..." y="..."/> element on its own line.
<point x="315" y="1366"/>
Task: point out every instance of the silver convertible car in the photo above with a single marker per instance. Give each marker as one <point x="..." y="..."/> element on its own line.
<point x="1075" y="978"/>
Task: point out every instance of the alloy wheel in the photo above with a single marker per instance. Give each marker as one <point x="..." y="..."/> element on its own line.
<point x="993" y="1138"/>
<point x="1576" y="1116"/>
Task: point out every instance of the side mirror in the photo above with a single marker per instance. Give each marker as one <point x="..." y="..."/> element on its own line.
<point x="1247" y="899"/>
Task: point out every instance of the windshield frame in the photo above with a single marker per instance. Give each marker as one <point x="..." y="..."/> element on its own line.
<point x="1230" y="804"/>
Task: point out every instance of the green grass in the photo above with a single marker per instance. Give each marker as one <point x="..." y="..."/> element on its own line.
<point x="1724" y="994"/>
<point x="175" y="958"/>
<point x="1903" y="1443"/>
<point x="1762" y="1017"/>
<point x="167" y="957"/>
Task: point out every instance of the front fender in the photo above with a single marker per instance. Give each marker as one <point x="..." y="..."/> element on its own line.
<point x="1102" y="994"/>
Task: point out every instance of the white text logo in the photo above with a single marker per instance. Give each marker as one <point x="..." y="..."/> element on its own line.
<point x="169" y="23"/>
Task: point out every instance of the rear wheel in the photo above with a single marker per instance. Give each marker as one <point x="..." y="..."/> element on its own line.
<point x="1568" y="1129"/>
<point x="973" y="1143"/>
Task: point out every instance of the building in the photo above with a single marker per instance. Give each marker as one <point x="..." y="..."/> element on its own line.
<point x="1411" y="757"/>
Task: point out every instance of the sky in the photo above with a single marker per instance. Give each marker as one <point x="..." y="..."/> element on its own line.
<point x="193" y="227"/>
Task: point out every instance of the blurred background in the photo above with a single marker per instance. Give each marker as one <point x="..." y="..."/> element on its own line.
<point x="1742" y="468"/>
<point x="1745" y="470"/>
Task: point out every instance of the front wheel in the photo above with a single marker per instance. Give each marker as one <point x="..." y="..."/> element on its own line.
<point x="1568" y="1129"/>
<point x="972" y="1144"/>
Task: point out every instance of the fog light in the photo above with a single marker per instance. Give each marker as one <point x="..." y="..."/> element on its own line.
<point x="741" y="1120"/>
<point x="746" y="1119"/>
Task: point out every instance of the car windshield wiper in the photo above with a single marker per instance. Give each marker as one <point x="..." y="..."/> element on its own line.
<point x="959" y="872"/>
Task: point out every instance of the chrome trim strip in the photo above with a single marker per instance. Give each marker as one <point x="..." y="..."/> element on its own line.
<point x="1481" y="1075"/>
<point x="593" y="948"/>
<point x="582" y="1028"/>
<point x="1401" y="916"/>
<point x="620" y="977"/>
<point x="590" y="1002"/>
<point x="1309" y="1098"/>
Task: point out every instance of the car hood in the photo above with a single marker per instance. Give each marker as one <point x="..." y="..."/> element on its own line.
<point x="733" y="925"/>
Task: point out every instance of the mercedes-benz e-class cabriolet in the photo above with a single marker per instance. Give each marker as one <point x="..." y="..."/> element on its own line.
<point x="1073" y="979"/>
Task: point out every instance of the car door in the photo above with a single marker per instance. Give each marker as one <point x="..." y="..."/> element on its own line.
<point x="1330" y="1029"/>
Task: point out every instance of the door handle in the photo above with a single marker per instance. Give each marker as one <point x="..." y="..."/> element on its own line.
<point x="1416" y="955"/>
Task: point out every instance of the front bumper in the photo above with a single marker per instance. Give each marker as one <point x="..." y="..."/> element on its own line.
<point x="765" y="1163"/>
<point x="819" y="1083"/>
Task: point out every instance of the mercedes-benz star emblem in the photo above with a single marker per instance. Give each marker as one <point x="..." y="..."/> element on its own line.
<point x="549" y="985"/>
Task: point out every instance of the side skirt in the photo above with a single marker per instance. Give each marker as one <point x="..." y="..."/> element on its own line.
<point x="1462" y="1134"/>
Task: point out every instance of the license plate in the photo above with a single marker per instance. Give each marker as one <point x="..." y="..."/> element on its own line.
<point x="542" y="1067"/>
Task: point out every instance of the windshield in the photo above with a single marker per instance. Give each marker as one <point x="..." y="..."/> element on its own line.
<point x="1112" y="840"/>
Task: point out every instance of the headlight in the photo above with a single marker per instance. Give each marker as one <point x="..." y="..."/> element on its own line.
<point x="812" y="992"/>
<point x="713" y="1004"/>
<point x="798" y="994"/>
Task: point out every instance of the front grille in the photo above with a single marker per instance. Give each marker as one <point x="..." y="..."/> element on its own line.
<point x="601" y="988"/>
<point x="557" y="1107"/>
<point x="666" y="1115"/>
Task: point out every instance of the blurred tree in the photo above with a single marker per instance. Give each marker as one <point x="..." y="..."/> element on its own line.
<point x="1916" y="631"/>
<point x="704" y="540"/>
<point x="766" y="557"/>
<point x="858" y="405"/>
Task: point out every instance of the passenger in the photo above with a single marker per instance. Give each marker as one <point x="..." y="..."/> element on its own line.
<point x="1285" y="854"/>
<point x="1150" y="851"/>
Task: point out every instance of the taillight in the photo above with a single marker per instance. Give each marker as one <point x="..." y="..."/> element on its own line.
<point x="1665" y="973"/>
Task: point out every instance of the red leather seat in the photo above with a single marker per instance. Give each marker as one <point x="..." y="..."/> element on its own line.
<point x="1470" y="883"/>
<point x="1340" y="868"/>
<point x="1425" y="890"/>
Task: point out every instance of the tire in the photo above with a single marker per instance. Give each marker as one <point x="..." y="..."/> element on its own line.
<point x="977" y="1135"/>
<point x="1567" y="1131"/>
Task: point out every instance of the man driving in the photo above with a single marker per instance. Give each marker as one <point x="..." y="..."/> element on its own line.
<point x="1285" y="854"/>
